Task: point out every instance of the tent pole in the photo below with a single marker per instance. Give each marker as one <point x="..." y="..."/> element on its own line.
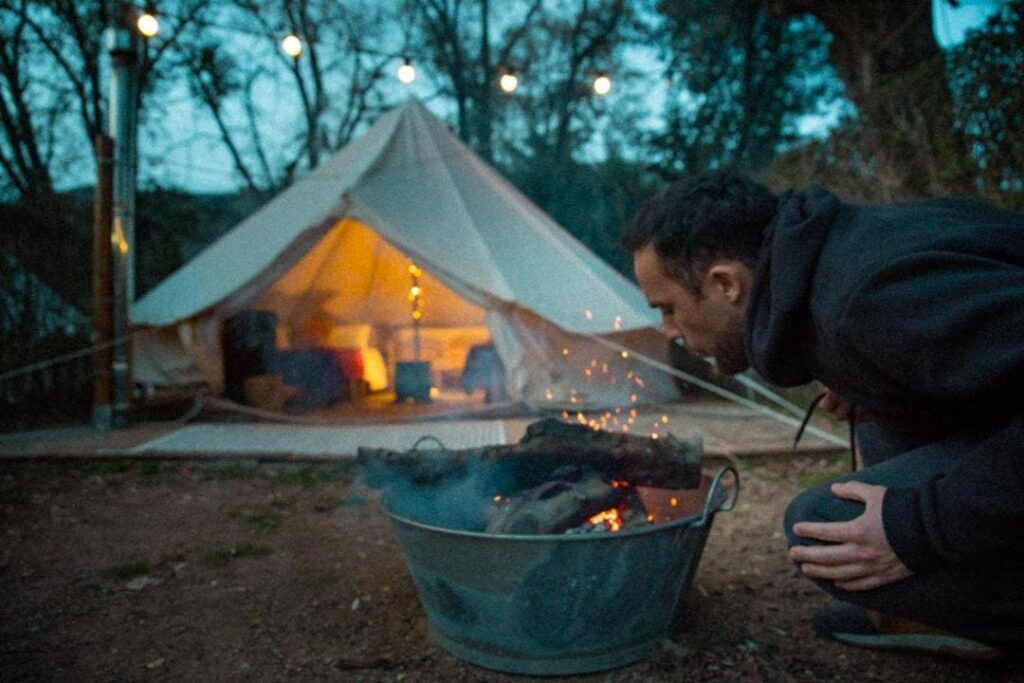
<point x="123" y="48"/>
<point x="102" y="286"/>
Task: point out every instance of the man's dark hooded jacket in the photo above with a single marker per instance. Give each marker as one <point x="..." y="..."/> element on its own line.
<point x="915" y="313"/>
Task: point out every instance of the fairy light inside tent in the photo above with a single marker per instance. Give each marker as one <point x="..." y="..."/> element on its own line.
<point x="416" y="301"/>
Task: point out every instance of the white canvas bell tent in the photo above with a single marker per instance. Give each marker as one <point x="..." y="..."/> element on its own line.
<point x="330" y="257"/>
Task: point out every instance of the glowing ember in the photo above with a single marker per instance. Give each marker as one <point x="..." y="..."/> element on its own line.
<point x="608" y="517"/>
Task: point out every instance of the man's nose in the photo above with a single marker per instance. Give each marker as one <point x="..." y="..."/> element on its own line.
<point x="670" y="330"/>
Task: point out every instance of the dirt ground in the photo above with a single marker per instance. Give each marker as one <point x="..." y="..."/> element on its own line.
<point x="189" y="571"/>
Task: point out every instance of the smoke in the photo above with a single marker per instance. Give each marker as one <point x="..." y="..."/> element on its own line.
<point x="456" y="500"/>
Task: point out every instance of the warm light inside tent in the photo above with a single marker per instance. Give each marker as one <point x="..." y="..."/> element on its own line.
<point x="352" y="291"/>
<point x="602" y="84"/>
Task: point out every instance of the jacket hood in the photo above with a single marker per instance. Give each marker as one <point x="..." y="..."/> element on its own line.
<point x="779" y="328"/>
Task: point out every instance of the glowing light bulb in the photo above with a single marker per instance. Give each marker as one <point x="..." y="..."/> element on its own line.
<point x="602" y="84"/>
<point x="508" y="82"/>
<point x="292" y="45"/>
<point x="406" y="72"/>
<point x="147" y="24"/>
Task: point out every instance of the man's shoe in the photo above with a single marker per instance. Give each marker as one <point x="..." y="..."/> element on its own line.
<point x="854" y="625"/>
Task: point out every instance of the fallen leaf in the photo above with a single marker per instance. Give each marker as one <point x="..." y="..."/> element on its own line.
<point x="140" y="582"/>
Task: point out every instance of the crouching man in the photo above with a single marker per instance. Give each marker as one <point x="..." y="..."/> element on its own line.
<point x="913" y="316"/>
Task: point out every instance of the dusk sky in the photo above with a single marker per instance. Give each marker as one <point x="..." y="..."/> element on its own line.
<point x="180" y="147"/>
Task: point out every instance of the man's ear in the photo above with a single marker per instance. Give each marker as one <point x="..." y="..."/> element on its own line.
<point x="729" y="279"/>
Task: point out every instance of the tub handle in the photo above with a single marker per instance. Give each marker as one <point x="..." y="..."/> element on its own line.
<point x="715" y="490"/>
<point x="429" y="437"/>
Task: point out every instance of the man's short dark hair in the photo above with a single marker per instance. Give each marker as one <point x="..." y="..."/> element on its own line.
<point x="700" y="219"/>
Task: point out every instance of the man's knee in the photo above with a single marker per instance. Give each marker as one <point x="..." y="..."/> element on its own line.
<point x="819" y="504"/>
<point x="806" y="507"/>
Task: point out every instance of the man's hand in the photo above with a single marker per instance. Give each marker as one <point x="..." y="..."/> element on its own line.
<point x="860" y="558"/>
<point x="842" y="409"/>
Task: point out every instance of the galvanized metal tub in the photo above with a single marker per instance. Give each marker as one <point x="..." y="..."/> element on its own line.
<point x="558" y="604"/>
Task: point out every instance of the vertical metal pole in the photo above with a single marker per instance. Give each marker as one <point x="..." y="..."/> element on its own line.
<point x="102" y="287"/>
<point x="123" y="47"/>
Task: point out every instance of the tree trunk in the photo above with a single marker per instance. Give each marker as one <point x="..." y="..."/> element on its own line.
<point x="894" y="72"/>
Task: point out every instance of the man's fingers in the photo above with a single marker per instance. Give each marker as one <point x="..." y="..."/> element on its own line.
<point x="852" y="490"/>
<point x="833" y="403"/>
<point x="834" y="532"/>
<point x="844" y="573"/>
<point x="863" y="583"/>
<point x="845" y="553"/>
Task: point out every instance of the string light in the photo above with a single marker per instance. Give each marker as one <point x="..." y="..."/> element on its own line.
<point x="147" y="22"/>
<point x="416" y="292"/>
<point x="602" y="84"/>
<point x="406" y="72"/>
<point x="292" y="45"/>
<point x="508" y="81"/>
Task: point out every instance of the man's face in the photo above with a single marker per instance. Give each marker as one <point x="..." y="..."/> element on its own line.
<point x="710" y="325"/>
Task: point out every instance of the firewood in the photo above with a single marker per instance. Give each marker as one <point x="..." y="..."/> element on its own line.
<point x="552" y="507"/>
<point x="551" y="449"/>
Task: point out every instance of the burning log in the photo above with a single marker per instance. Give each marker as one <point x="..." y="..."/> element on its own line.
<point x="552" y="507"/>
<point x="550" y="450"/>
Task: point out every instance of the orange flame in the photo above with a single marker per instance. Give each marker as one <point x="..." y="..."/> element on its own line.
<point x="609" y="516"/>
